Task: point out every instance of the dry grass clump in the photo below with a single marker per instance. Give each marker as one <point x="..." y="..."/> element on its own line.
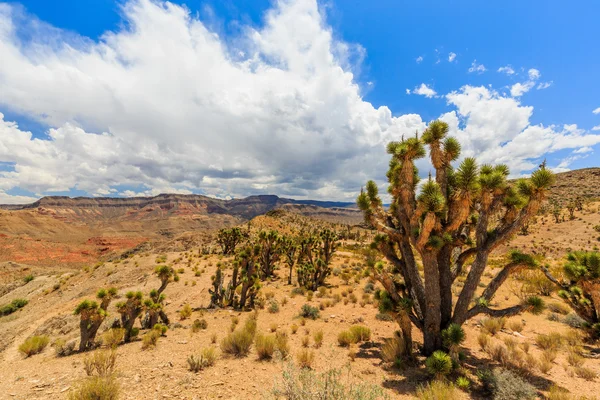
<point x="575" y="359"/>
<point x="150" y="339"/>
<point x="239" y="342"/>
<point x="318" y="338"/>
<point x="100" y="363"/>
<point x="96" y="388"/>
<point x="206" y="358"/>
<point x="281" y="342"/>
<point x="585" y="373"/>
<point x="492" y="325"/>
<point x="34" y="345"/>
<point x="346" y="338"/>
<point x="198" y="325"/>
<point x="361" y="333"/>
<point x="544" y="365"/>
<point x="185" y="312"/>
<point x="438" y="390"/>
<point x="305" y="358"/>
<point x="265" y="346"/>
<point x="294" y="329"/>
<point x="484" y="340"/>
<point x="552" y="341"/>
<point x="558" y="393"/>
<point x="392" y="349"/>
<point x="305" y="384"/>
<point x="113" y="337"/>
<point x="515" y="325"/>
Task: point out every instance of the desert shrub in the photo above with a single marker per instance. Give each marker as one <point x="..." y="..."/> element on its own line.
<point x="63" y="348"/>
<point x="551" y="341"/>
<point x="281" y="342"/>
<point x="492" y="325"/>
<point x="305" y="384"/>
<point x="273" y="307"/>
<point x="549" y="355"/>
<point x="558" y="308"/>
<point x="318" y="338"/>
<point x="384" y="317"/>
<point x="265" y="346"/>
<point x="463" y="383"/>
<point x="185" y="312"/>
<point x="206" y="358"/>
<point x="392" y="349"/>
<point x="237" y="343"/>
<point x="100" y="363"/>
<point x="574" y="321"/>
<point x="524" y="346"/>
<point x="96" y="388"/>
<point x="273" y="327"/>
<point x="509" y="386"/>
<point x="439" y="364"/>
<point x="553" y="317"/>
<point x="346" y="338"/>
<point x="250" y="324"/>
<point x="113" y="337"/>
<point x="199" y="324"/>
<point x="309" y="311"/>
<point x="150" y="339"/>
<point x="12" y="306"/>
<point x="499" y="353"/>
<point x="305" y="358"/>
<point x="161" y="329"/>
<point x="34" y="345"/>
<point x="28" y="278"/>
<point x="361" y="333"/>
<point x="585" y="373"/>
<point x="438" y="390"/>
<point x="369" y="287"/>
<point x="294" y="328"/>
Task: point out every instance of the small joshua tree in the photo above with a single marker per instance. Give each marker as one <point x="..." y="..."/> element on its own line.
<point x="460" y="216"/>
<point x="555" y="210"/>
<point x="269" y="252"/>
<point x="581" y="288"/>
<point x="314" y="257"/>
<point x="245" y="274"/>
<point x="289" y="248"/>
<point x="91" y="316"/>
<point x="130" y="310"/>
<point x="571" y="209"/>
<point x="228" y="239"/>
<point x="154" y="304"/>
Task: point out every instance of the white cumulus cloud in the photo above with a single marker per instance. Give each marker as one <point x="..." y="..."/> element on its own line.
<point x="166" y="105"/>
<point x="424" y="90"/>
<point x="596" y="111"/>
<point x="451" y="57"/>
<point x="508" y="70"/>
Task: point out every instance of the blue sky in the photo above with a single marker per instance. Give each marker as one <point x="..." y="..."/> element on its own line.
<point x="304" y="93"/>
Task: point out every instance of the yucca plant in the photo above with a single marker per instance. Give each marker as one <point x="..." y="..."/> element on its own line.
<point x="453" y="336"/>
<point x="582" y="272"/>
<point x="439" y="364"/>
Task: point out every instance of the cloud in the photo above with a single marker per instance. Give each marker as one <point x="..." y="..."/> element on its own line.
<point x="419" y="59"/>
<point x="6" y="198"/>
<point x="544" y="85"/>
<point x="582" y="150"/>
<point x="166" y="105"/>
<point x="518" y="89"/>
<point x="497" y="129"/>
<point x="451" y="57"/>
<point x="479" y="68"/>
<point x="425" y="90"/>
<point x="508" y="70"/>
<point x="596" y="128"/>
<point x="407" y="91"/>
<point x="596" y="111"/>
<point x="534" y="74"/>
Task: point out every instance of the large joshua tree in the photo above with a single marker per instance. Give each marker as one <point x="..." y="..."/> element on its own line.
<point x="459" y="217"/>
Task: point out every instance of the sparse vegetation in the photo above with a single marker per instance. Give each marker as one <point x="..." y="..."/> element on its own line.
<point x="34" y="345"/>
<point x="204" y="359"/>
